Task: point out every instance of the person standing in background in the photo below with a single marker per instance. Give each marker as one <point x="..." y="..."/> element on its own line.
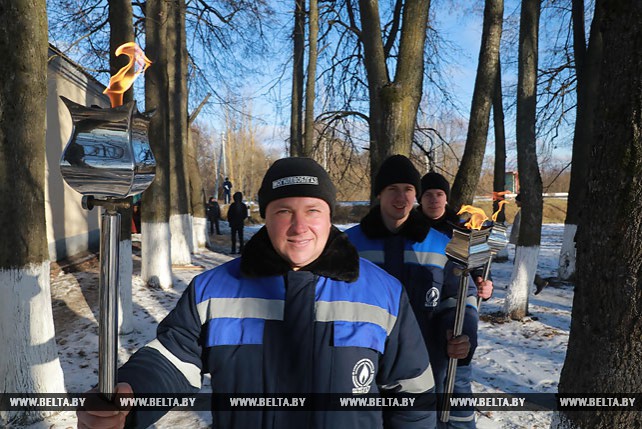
<point x="213" y="215"/>
<point x="399" y="239"/>
<point x="227" y="190"/>
<point x="136" y="228"/>
<point x="433" y="205"/>
<point x="236" y="215"/>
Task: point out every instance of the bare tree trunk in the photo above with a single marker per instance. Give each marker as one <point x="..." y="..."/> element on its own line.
<point x="296" y="121"/>
<point x="155" y="236"/>
<point x="179" y="220"/>
<point x="121" y="30"/>
<point x="29" y="360"/>
<point x="465" y="184"/>
<point x="230" y="142"/>
<point x="499" y="172"/>
<point x="587" y="69"/>
<point x="197" y="200"/>
<point x="608" y="292"/>
<point x="393" y="103"/>
<point x="310" y="91"/>
<point x="197" y="192"/>
<point x="530" y="231"/>
<point x="253" y="184"/>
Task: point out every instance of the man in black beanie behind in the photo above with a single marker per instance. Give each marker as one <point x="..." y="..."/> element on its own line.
<point x="435" y="191"/>
<point x="398" y="239"/>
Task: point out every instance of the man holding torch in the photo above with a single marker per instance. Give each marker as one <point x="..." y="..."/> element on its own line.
<point x="435" y="191"/>
<point x="298" y="312"/>
<point x="399" y="239"/>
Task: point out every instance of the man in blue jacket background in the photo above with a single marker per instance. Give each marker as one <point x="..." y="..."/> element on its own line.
<point x="433" y="199"/>
<point x="399" y="239"/>
<point x="299" y="312"/>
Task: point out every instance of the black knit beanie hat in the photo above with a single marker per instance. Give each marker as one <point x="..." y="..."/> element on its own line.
<point x="396" y="169"/>
<point x="296" y="177"/>
<point x="434" y="180"/>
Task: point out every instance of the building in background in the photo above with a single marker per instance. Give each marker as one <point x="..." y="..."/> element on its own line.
<point x="512" y="181"/>
<point x="70" y="228"/>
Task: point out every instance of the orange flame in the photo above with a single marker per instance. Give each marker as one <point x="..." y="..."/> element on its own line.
<point x="499" y="209"/>
<point x="499" y="195"/>
<point x="124" y="79"/>
<point x="477" y="217"/>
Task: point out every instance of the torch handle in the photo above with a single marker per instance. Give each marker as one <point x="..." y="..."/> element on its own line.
<point x="457" y="331"/>
<point x="108" y="303"/>
<point x="485" y="277"/>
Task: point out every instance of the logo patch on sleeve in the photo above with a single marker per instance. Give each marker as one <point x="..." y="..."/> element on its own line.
<point x="432" y="298"/>
<point x="362" y="376"/>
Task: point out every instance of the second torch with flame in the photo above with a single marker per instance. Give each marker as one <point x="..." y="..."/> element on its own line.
<point x="472" y="246"/>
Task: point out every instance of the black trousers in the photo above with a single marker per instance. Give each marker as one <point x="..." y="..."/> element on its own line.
<point x="214" y="223"/>
<point x="237" y="230"/>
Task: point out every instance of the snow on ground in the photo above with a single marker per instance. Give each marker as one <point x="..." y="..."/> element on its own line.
<point x="512" y="357"/>
<point x="525" y="356"/>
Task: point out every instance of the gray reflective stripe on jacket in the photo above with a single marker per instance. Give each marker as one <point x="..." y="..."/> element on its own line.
<point x="191" y="372"/>
<point x="218" y="308"/>
<point x="419" y="384"/>
<point x="354" y="312"/>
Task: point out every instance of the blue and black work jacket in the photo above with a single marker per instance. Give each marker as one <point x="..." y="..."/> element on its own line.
<point x="415" y="255"/>
<point x="448" y="304"/>
<point x="450" y="288"/>
<point x="339" y="325"/>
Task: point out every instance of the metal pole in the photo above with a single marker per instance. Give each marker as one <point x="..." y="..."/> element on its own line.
<point x="108" y="301"/>
<point x="224" y="156"/>
<point x="219" y="172"/>
<point x="485" y="277"/>
<point x="457" y="331"/>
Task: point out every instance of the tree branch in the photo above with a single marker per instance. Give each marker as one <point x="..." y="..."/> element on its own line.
<point x="396" y="21"/>
<point x="194" y="114"/>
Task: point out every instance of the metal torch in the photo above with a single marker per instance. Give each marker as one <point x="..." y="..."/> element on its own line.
<point x="107" y="159"/>
<point x="468" y="249"/>
<point x="497" y="240"/>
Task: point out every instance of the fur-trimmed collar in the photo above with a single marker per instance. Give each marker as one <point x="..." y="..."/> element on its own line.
<point x="339" y="260"/>
<point x="415" y="228"/>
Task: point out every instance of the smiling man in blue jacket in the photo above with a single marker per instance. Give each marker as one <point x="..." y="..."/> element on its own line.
<point x="298" y="312"/>
<point x="400" y="240"/>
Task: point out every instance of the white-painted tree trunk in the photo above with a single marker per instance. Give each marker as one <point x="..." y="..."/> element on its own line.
<point x="125" y="270"/>
<point x="181" y="236"/>
<point x="567" y="253"/>
<point x="191" y="242"/>
<point x="156" y="268"/>
<point x="29" y="359"/>
<point x="524" y="270"/>
<point x="201" y="237"/>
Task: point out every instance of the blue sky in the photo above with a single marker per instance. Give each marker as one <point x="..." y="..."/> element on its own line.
<point x="461" y="26"/>
<point x="462" y="29"/>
